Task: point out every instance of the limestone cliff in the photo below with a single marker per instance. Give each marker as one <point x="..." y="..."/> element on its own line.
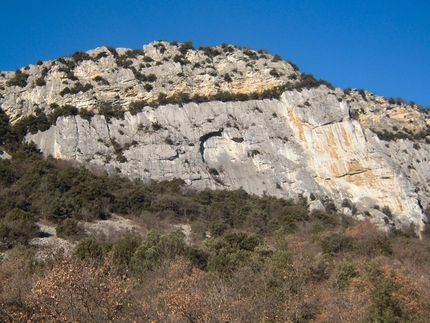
<point x="279" y="132"/>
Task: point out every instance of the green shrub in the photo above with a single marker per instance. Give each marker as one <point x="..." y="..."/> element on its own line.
<point x="276" y="58"/>
<point x="151" y="78"/>
<point x="169" y="141"/>
<point x="345" y="271"/>
<point x="253" y="153"/>
<point x="44" y="72"/>
<point x="18" y="227"/>
<point x="387" y="211"/>
<point x="251" y="54"/>
<point x="210" y="51"/>
<point x="134" y="53"/>
<point x="101" y="80"/>
<point x="181" y="59"/>
<point x="308" y="81"/>
<point x="88" y="249"/>
<point x="112" y="51"/>
<point x="213" y="172"/>
<point x="69" y="64"/>
<point x="100" y="55"/>
<point x="64" y="111"/>
<point x="184" y="47"/>
<point x="123" y="61"/>
<point x="80" y="57"/>
<point x="147" y="59"/>
<point x="111" y="110"/>
<point x="390" y="136"/>
<point x="230" y="252"/>
<point x="86" y="114"/>
<point x="227" y="78"/>
<point x="40" y="81"/>
<point x="33" y="123"/>
<point x="19" y="79"/>
<point x="124" y="248"/>
<point x="65" y="91"/>
<point x="156" y="248"/>
<point x="363" y="94"/>
<point x="156" y="126"/>
<point x="326" y="218"/>
<point x="148" y="87"/>
<point x="136" y="106"/>
<point x="227" y="48"/>
<point x="337" y="242"/>
<point x="294" y="66"/>
<point x="386" y="306"/>
<point x="69" y="228"/>
<point x="71" y="76"/>
<point x="161" y="48"/>
<point x="78" y="87"/>
<point x="162" y="99"/>
<point x="122" y="159"/>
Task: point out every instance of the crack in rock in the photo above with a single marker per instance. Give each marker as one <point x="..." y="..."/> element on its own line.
<point x="351" y="173"/>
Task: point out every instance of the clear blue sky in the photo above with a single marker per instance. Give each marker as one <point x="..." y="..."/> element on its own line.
<point x="381" y="46"/>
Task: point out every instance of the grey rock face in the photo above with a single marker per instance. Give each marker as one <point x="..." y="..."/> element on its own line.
<point x="124" y="76"/>
<point x="274" y="147"/>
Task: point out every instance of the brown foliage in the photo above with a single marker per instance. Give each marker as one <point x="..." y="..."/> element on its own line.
<point x="77" y="292"/>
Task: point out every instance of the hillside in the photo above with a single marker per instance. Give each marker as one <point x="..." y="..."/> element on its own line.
<point x="226" y="117"/>
<point x="218" y="184"/>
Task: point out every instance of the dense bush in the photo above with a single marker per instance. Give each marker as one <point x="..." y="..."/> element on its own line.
<point x="69" y="64"/>
<point x="308" y="81"/>
<point x="124" y="249"/>
<point x="274" y="72"/>
<point x="148" y="87"/>
<point x="69" y="228"/>
<point x="100" y="55"/>
<point x="111" y="110"/>
<point x="157" y="248"/>
<point x="251" y="54"/>
<point x="337" y="242"/>
<point x="86" y="114"/>
<point x="134" y="53"/>
<point x="18" y="227"/>
<point x="136" y="106"/>
<point x="142" y="77"/>
<point x="89" y="249"/>
<point x="64" y="111"/>
<point x="33" y="123"/>
<point x="40" y="81"/>
<point x="181" y="59"/>
<point x="78" y="87"/>
<point x="112" y="51"/>
<point x="4" y="126"/>
<point x="123" y="61"/>
<point x="402" y="134"/>
<point x="160" y="46"/>
<point x="65" y="91"/>
<point x="101" y="80"/>
<point x="19" y="79"/>
<point x="210" y="51"/>
<point x="231" y="251"/>
<point x="80" y="57"/>
<point x="184" y="47"/>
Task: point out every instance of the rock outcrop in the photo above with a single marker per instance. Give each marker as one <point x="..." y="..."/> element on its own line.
<point x="309" y="138"/>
